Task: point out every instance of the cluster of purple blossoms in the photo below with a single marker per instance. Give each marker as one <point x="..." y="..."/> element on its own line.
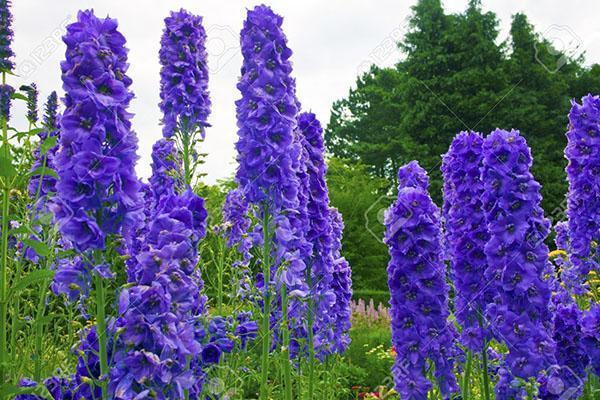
<point x="160" y="313"/>
<point x="319" y="234"/>
<point x="32" y="102"/>
<point x="236" y="224"/>
<point x="517" y="255"/>
<point x="590" y="328"/>
<point x="97" y="190"/>
<point x="466" y="235"/>
<point x="166" y="175"/>
<point x="97" y="186"/>
<point x="583" y="174"/>
<point x="44" y="157"/>
<point x="341" y="286"/>
<point x="185" y="101"/>
<point x="269" y="153"/>
<point x="266" y="114"/>
<point x="80" y="385"/>
<point x="419" y="294"/>
<point x="6" y="36"/>
<point x="6" y="92"/>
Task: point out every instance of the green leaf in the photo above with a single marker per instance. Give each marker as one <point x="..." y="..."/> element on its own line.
<point x="47" y="144"/>
<point x="19" y="96"/>
<point x="6" y="167"/>
<point x="8" y="390"/>
<point x="46" y="171"/>
<point x="39" y="275"/>
<point x="39" y="247"/>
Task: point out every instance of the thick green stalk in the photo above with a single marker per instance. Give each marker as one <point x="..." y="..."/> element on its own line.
<point x="311" y="341"/>
<point x="265" y="327"/>
<point x="4" y="266"/>
<point x="101" y="327"/>
<point x="467" y="376"/>
<point x="484" y="373"/>
<point x="39" y="331"/>
<point x="285" y="352"/>
<point x="220" y="272"/>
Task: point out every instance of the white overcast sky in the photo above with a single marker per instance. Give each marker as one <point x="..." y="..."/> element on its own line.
<point x="331" y="40"/>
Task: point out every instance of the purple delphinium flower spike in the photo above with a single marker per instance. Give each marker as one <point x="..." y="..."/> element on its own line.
<point x="583" y="174"/>
<point x="97" y="188"/>
<point x="266" y="113"/>
<point x="96" y="159"/>
<point x="235" y="228"/>
<point x="466" y="235"/>
<point x="517" y="255"/>
<point x="6" y="37"/>
<point x="314" y="195"/>
<point x="50" y="130"/>
<point x="185" y="101"/>
<point x="590" y="322"/>
<point x="32" y="102"/>
<point x="341" y="286"/>
<point x="417" y="283"/>
<point x="159" y="323"/>
<point x="6" y="92"/>
<point x="269" y="155"/>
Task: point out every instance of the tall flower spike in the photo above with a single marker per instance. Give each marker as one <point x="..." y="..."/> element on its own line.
<point x="517" y="255"/>
<point x="50" y="130"/>
<point x="341" y="287"/>
<point x="419" y="294"/>
<point x="583" y="174"/>
<point x="266" y="113"/>
<point x="269" y="156"/>
<point x="161" y="345"/>
<point x="6" y="92"/>
<point x="185" y="101"/>
<point x="97" y="188"/>
<point x="466" y="234"/>
<point x="6" y="37"/>
<point x="32" y="102"/>
<point x="319" y="233"/>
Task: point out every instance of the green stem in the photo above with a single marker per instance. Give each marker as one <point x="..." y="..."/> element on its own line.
<point x="187" y="166"/>
<point x="467" y="376"/>
<point x="311" y="341"/>
<point x="220" y="267"/>
<point x="39" y="331"/>
<point x="101" y="327"/>
<point x="285" y="353"/>
<point x="265" y="328"/>
<point x="484" y="373"/>
<point x="4" y="266"/>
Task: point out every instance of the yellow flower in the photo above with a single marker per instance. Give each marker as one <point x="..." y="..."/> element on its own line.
<point x="556" y="253"/>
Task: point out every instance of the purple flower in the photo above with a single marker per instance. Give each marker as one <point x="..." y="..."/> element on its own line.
<point x="266" y="113"/>
<point x="166" y="169"/>
<point x="269" y="156"/>
<point x="32" y="101"/>
<point x="517" y="255"/>
<point x="6" y="37"/>
<point x="341" y="286"/>
<point x="416" y="279"/>
<point x="160" y="324"/>
<point x="45" y="157"/>
<point x="97" y="191"/>
<point x="590" y="328"/>
<point x="6" y="92"/>
<point x="583" y="174"/>
<point x="185" y="102"/>
<point x="97" y="147"/>
<point x="466" y="235"/>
